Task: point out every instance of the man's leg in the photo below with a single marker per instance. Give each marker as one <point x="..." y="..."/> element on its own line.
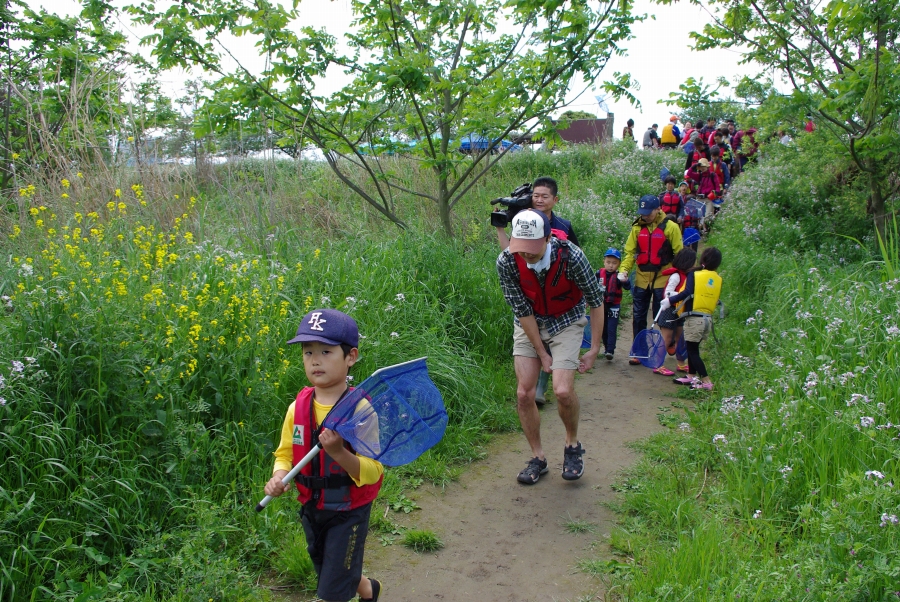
<point x="527" y="371"/>
<point x="567" y="403"/>
<point x="657" y="299"/>
<point x="641" y="297"/>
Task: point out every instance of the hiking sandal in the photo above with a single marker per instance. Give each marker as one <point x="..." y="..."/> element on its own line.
<point x="573" y="463"/>
<point x="376" y="591"/>
<point x="530" y="475"/>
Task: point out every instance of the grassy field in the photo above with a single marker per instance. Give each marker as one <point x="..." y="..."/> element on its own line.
<point x="145" y="375"/>
<point x="782" y="484"/>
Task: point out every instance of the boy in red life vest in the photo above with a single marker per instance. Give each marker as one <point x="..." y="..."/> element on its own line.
<point x="652" y="244"/>
<point x="548" y="283"/>
<point x="671" y="202"/>
<point x="612" y="298"/>
<point x="338" y="487"/>
<point x="718" y="167"/>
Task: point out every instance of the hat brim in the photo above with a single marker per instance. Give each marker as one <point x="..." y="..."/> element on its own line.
<point x="532" y="246"/>
<point x="647" y="211"/>
<point x="308" y="338"/>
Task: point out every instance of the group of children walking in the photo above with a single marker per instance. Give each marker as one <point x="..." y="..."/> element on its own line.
<point x="690" y="297"/>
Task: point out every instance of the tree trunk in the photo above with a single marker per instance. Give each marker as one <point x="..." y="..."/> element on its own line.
<point x="876" y="204"/>
<point x="444" y="206"/>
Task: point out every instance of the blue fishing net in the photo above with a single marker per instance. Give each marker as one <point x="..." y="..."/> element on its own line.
<point x="681" y="349"/>
<point x="695" y="208"/>
<point x="393" y="416"/>
<point x="649" y="347"/>
<point x="586" y="335"/>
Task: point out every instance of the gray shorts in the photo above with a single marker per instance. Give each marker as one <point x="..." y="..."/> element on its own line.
<point x="565" y="345"/>
<point x="696" y="328"/>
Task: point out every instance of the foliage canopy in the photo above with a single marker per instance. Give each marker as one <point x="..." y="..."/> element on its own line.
<point x="424" y="75"/>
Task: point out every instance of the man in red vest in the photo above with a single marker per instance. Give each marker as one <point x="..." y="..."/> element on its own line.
<point x="548" y="282"/>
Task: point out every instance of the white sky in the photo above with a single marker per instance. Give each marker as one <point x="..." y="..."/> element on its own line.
<point x="659" y="57"/>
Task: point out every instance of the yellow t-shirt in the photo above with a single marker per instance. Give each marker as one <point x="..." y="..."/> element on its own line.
<point x="369" y="470"/>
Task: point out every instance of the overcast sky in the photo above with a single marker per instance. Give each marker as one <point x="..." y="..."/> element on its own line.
<point x="659" y="57"/>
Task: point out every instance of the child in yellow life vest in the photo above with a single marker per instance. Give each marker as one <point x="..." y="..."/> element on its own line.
<point x="338" y="487"/>
<point x="699" y="299"/>
<point x="670" y="321"/>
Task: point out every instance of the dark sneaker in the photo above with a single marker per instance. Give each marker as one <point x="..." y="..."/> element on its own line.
<point x="573" y="463"/>
<point x="634" y="361"/>
<point x="536" y="467"/>
<point x="609" y="356"/>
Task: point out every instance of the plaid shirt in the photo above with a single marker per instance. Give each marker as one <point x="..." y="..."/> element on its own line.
<point x="579" y="272"/>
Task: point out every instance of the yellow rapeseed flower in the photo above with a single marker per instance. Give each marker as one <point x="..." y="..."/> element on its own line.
<point x="64" y="195"/>
<point x="131" y="138"/>
<point x="318" y="252"/>
<point x="33" y="211"/>
<point x="15" y="156"/>
<point x="118" y="194"/>
<point x="79" y="175"/>
<point x="65" y="183"/>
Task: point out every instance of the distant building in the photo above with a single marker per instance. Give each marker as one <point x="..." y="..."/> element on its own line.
<point x="588" y="131"/>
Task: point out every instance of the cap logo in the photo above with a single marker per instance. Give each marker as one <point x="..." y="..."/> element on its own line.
<point x="643" y="204"/>
<point x="316" y="321"/>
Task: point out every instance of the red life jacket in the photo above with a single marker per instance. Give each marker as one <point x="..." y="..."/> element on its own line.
<point x="650" y="245"/>
<point x="559" y="294"/>
<point x="669" y="201"/>
<point x="323" y="479"/>
<point x="682" y="275"/>
<point x="610" y="281"/>
<point x="690" y="221"/>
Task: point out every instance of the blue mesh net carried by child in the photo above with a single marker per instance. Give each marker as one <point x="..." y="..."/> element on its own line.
<point x="393" y="416"/>
<point x="649" y="347"/>
<point x="695" y="208"/>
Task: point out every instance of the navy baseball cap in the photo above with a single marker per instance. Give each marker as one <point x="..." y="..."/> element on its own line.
<point x="647" y="204"/>
<point x="328" y="326"/>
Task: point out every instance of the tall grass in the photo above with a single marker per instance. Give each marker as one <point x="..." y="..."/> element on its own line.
<point x="781" y="484"/>
<point x="144" y="371"/>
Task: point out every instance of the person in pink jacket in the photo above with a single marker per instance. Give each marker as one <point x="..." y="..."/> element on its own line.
<point x="707" y="181"/>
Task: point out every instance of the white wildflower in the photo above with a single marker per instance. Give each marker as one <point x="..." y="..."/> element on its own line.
<point x="394" y="335"/>
<point x="887" y="519"/>
<point x="867" y="421"/>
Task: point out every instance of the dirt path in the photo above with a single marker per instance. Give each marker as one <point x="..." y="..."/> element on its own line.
<point x="508" y="542"/>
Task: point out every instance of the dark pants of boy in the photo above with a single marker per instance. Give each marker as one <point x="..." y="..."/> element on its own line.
<point x="695" y="363"/>
<point x="335" y="541"/>
<point x="610" y="326"/>
<point x="643" y="298"/>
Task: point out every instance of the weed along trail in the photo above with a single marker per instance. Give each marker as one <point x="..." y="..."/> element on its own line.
<point x="507" y="541"/>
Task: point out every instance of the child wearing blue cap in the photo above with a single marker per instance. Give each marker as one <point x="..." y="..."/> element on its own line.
<point x="338" y="487"/>
<point x="612" y="298"/>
